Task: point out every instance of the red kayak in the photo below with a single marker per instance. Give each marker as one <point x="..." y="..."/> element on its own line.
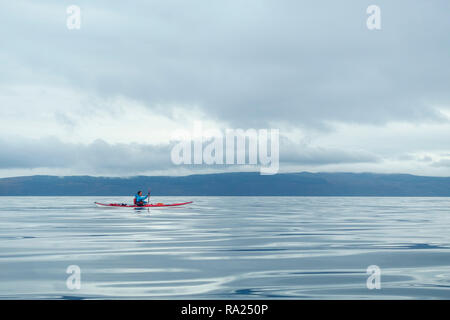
<point x="124" y="205"/>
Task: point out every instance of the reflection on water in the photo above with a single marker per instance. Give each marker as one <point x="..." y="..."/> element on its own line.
<point x="226" y="248"/>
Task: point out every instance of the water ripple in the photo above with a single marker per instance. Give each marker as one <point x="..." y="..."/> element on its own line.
<point x="226" y="248"/>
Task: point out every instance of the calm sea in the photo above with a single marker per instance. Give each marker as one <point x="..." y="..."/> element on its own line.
<point x="226" y="248"/>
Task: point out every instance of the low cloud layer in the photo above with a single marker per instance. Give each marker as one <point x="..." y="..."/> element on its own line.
<point x="52" y="156"/>
<point x="98" y="156"/>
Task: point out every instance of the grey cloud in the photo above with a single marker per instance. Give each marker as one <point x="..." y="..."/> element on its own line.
<point x="99" y="156"/>
<point x="301" y="63"/>
<point x="426" y="159"/>
<point x="442" y="163"/>
<point x="247" y="64"/>
<point x="129" y="159"/>
<point x="323" y="156"/>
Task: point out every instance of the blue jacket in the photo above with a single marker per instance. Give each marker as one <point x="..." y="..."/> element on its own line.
<point x="140" y="198"/>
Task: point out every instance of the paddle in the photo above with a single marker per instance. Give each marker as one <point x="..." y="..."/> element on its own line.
<point x="148" y="200"/>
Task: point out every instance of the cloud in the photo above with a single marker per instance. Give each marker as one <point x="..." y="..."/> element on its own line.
<point x="50" y="155"/>
<point x="322" y="156"/>
<point x="130" y="159"/>
<point x="97" y="157"/>
<point x="442" y="163"/>
<point x="292" y="62"/>
<point x="111" y="93"/>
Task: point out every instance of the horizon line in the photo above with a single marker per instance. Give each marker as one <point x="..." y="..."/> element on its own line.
<point x="224" y="173"/>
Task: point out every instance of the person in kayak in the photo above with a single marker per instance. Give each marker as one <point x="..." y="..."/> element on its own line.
<point x="139" y="199"/>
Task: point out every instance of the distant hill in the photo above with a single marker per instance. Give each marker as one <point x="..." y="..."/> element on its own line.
<point x="232" y="184"/>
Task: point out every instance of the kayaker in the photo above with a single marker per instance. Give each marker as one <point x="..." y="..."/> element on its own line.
<point x="139" y="199"/>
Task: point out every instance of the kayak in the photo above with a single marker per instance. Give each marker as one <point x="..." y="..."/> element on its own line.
<point x="124" y="205"/>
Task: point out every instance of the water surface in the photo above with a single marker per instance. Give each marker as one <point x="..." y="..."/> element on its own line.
<point x="226" y="248"/>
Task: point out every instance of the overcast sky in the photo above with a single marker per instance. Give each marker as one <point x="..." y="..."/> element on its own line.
<point x="106" y="99"/>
